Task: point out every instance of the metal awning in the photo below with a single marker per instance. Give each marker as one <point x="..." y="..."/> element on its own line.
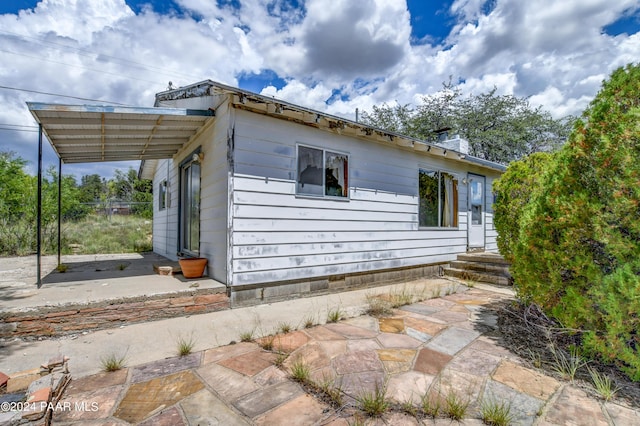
<point x="97" y="133"/>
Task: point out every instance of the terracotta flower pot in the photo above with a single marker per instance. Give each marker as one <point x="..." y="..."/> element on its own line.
<point x="193" y="267"/>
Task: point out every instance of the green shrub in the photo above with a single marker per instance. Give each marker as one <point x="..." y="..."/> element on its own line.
<point x="513" y="191"/>
<point x="579" y="238"/>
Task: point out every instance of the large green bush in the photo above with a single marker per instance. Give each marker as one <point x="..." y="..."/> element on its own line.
<point x="578" y="249"/>
<point x="513" y="192"/>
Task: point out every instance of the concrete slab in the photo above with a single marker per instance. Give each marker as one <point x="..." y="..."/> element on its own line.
<point x="204" y="408"/>
<point x="89" y="278"/>
<point x="452" y="340"/>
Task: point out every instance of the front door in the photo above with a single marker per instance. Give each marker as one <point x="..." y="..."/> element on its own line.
<point x="476" y="218"/>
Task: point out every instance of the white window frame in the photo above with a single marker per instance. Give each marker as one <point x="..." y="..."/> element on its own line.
<point x="324" y="152"/>
<point x="456" y="201"/>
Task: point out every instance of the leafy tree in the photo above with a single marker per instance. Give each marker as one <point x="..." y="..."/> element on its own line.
<point x="126" y="186"/>
<point x="499" y="128"/>
<point x="16" y="187"/>
<point x="579" y="238"/>
<point x="92" y="188"/>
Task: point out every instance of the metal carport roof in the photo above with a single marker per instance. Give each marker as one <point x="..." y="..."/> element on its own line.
<point x="97" y="133"/>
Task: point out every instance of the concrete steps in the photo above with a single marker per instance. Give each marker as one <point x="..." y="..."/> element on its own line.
<point x="482" y="267"/>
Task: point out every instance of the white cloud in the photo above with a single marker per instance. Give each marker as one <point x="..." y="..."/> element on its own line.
<point x="556" y="53"/>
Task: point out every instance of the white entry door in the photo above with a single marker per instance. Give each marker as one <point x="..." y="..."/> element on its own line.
<point x="476" y="218"/>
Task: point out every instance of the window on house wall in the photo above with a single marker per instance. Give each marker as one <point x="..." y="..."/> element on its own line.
<point x="322" y="173"/>
<point x="162" y="195"/>
<point x="438" y="199"/>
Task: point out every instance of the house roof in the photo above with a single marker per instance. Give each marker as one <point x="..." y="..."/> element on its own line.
<point x="96" y="133"/>
<point x="266" y="105"/>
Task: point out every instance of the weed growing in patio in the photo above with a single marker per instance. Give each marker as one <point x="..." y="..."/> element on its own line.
<point x="333" y="392"/>
<point x="567" y="365"/>
<point x="280" y="359"/>
<point x="401" y="297"/>
<point x="266" y="342"/>
<point x="496" y="413"/>
<point x="375" y="403"/>
<point x="334" y="315"/>
<point x="284" y="327"/>
<point x="247" y="336"/>
<point x="378" y="306"/>
<point x="185" y="345"/>
<point x="603" y="384"/>
<point x="309" y="321"/>
<point x="455" y="407"/>
<point x="62" y="268"/>
<point x="113" y="362"/>
<point x="300" y="371"/>
<point x="431" y="405"/>
<point x="410" y="408"/>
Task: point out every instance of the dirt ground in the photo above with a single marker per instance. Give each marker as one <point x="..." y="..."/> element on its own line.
<point x="529" y="333"/>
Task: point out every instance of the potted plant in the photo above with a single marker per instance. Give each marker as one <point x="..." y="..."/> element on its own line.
<point x="192" y="267"/>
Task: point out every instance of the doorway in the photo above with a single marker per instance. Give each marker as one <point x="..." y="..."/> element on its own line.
<point x="190" y="207"/>
<point x="476" y="213"/>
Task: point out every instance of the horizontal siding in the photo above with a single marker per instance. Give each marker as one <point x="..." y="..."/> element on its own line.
<point x="336" y="269"/>
<point x="278" y="236"/>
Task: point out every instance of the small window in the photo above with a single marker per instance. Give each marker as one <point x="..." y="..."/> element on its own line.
<point x="162" y="195"/>
<point x="438" y="199"/>
<point x="322" y="173"/>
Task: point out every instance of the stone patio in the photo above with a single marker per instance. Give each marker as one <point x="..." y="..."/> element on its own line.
<point x="436" y="347"/>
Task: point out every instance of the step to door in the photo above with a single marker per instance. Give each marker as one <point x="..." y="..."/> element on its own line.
<point x="476" y="276"/>
<point x="484" y="267"/>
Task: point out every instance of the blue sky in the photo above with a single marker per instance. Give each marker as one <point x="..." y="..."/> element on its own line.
<point x="355" y="54"/>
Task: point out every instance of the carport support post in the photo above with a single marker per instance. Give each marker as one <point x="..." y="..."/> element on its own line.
<point x="59" y="206"/>
<point x="39" y="212"/>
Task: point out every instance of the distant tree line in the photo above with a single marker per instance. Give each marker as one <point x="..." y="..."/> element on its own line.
<point x="18" y="199"/>
<point x="499" y="128"/>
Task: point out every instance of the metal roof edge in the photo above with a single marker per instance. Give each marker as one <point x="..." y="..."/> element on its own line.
<point x="199" y="87"/>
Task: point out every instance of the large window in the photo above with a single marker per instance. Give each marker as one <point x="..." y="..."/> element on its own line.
<point x="438" y="199"/>
<point x="322" y="173"/>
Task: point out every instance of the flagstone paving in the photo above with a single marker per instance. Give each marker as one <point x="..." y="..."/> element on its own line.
<point x="433" y="348"/>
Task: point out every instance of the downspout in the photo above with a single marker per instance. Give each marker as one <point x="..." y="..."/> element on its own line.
<point x="39" y="213"/>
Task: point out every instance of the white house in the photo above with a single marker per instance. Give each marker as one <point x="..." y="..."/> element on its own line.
<point x="284" y="200"/>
